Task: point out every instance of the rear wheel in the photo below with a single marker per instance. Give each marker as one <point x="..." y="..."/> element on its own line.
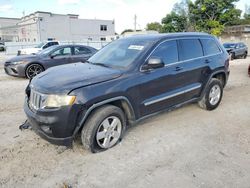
<point x="103" y="129"/>
<point x="33" y="70"/>
<point x="212" y="96"/>
<point x="245" y="55"/>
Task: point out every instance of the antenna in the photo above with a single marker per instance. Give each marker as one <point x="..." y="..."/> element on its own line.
<point x="135" y="23"/>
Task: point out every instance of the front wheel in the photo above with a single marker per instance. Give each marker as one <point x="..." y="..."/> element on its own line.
<point x="232" y="56"/>
<point x="33" y="70"/>
<point x="103" y="129"/>
<point x="212" y="96"/>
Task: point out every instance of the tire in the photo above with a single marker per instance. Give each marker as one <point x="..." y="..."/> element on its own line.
<point x="207" y="101"/>
<point x="32" y="70"/>
<point x="245" y="55"/>
<point x="95" y="125"/>
<point x="232" y="55"/>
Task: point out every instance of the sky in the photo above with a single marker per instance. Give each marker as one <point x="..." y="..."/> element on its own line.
<point x="122" y="11"/>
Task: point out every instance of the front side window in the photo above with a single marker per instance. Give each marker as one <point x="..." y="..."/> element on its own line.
<point x="210" y="47"/>
<point x="62" y="52"/>
<point x="167" y="52"/>
<point x="189" y="49"/>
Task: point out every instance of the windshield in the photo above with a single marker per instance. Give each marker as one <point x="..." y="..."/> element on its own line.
<point x="229" y="45"/>
<point x="120" y="53"/>
<point x="46" y="51"/>
<point x="40" y="45"/>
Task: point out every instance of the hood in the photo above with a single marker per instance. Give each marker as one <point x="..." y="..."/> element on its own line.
<point x="229" y="49"/>
<point x="62" y="79"/>
<point x="22" y="58"/>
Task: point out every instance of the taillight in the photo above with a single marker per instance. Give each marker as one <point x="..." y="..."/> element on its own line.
<point x="227" y="63"/>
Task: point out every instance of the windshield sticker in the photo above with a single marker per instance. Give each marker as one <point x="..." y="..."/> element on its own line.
<point x="135" y="47"/>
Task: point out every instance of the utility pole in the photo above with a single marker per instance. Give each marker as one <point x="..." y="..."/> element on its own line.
<point x="135" y="23"/>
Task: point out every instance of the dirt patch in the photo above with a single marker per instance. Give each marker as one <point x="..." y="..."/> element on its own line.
<point x="188" y="147"/>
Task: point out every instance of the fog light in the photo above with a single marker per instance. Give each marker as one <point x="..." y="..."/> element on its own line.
<point x="46" y="129"/>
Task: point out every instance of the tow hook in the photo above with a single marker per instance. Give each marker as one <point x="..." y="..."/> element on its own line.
<point x="25" y="125"/>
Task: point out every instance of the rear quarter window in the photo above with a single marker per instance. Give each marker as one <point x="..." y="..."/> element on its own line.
<point x="210" y="47"/>
<point x="189" y="49"/>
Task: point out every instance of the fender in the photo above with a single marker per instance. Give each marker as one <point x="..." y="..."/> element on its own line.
<point x="211" y="76"/>
<point x="96" y="105"/>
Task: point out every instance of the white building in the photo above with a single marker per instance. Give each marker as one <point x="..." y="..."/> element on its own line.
<point x="41" y="26"/>
<point x="8" y="31"/>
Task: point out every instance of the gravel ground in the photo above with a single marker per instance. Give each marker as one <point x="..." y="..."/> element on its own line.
<point x="188" y="147"/>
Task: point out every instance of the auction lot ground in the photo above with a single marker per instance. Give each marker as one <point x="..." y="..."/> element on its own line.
<point x="188" y="147"/>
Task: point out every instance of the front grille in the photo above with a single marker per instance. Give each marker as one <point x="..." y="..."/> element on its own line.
<point x="7" y="63"/>
<point x="35" y="100"/>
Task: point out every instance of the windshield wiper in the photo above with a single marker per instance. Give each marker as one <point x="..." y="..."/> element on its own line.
<point x="100" y="64"/>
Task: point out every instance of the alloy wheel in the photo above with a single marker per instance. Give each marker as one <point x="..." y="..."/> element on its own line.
<point x="109" y="132"/>
<point x="214" y="95"/>
<point x="34" y="70"/>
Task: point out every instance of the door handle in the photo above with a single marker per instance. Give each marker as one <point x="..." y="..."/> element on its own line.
<point x="178" y="68"/>
<point x="207" y="61"/>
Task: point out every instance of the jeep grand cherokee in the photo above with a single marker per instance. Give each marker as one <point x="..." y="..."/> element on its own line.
<point x="128" y="80"/>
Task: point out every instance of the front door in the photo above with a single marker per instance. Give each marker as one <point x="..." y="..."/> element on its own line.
<point x="178" y="81"/>
<point x="60" y="56"/>
<point x="81" y="54"/>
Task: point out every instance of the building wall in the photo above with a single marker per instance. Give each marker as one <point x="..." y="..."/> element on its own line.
<point x="41" y="25"/>
<point x="8" y="29"/>
<point x="5" y="22"/>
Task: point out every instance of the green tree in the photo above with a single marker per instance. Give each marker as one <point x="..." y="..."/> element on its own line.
<point x="212" y="16"/>
<point x="154" y="26"/>
<point x="127" y="30"/>
<point x="178" y="19"/>
<point x="174" y="23"/>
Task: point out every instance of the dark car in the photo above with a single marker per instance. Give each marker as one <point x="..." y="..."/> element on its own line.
<point x="126" y="81"/>
<point x="31" y="65"/>
<point x="236" y="50"/>
<point x="249" y="70"/>
<point x="2" y="46"/>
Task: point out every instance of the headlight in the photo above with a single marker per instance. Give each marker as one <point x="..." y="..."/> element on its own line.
<point x="53" y="101"/>
<point x="17" y="62"/>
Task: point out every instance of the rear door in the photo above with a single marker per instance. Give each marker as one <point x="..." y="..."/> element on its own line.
<point x="80" y="54"/>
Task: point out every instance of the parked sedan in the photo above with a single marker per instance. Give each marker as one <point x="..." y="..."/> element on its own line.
<point x="31" y="65"/>
<point x="2" y="46"/>
<point x="249" y="70"/>
<point x="236" y="50"/>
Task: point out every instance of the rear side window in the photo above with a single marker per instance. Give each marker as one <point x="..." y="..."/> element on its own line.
<point x="210" y="47"/>
<point x="167" y="51"/>
<point x="242" y="45"/>
<point x="189" y="49"/>
<point x="79" y="50"/>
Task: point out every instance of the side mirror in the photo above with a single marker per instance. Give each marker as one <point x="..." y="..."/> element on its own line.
<point x="153" y="63"/>
<point x="52" y="56"/>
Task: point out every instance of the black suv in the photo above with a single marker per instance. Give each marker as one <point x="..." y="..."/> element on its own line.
<point x="236" y="50"/>
<point x="126" y="81"/>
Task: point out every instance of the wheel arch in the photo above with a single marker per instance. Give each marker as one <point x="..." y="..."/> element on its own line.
<point x="120" y="101"/>
<point x="32" y="63"/>
<point x="220" y="74"/>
